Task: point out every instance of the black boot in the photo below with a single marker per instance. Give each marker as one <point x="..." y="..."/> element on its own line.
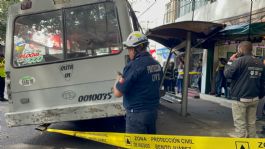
<point x="3" y="99"/>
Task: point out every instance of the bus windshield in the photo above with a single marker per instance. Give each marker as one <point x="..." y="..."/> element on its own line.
<point x="71" y="33"/>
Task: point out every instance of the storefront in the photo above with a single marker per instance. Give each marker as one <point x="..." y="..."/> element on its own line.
<point x="227" y="42"/>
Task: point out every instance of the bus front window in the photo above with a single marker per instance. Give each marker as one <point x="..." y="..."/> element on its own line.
<point x="37" y="39"/>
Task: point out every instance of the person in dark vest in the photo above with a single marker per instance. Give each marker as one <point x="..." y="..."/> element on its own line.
<point x="139" y="85"/>
<point x="169" y="82"/>
<point x="220" y="78"/>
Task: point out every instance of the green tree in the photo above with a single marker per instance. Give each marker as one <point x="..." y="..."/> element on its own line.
<point x="4" y="4"/>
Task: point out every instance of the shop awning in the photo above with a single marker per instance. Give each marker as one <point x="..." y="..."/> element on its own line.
<point x="170" y="35"/>
<point x="241" y="31"/>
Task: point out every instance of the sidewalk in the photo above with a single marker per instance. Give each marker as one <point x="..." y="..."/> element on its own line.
<point x="207" y="116"/>
<point x="228" y="103"/>
<point x="219" y="100"/>
<point x="204" y="119"/>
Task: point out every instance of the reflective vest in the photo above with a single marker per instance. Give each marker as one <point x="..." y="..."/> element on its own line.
<point x="2" y="68"/>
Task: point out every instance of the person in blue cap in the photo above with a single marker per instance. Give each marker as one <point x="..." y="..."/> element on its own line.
<point x="139" y="85"/>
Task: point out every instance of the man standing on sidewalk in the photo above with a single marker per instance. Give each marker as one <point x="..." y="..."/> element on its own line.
<point x="247" y="87"/>
<point x="139" y="85"/>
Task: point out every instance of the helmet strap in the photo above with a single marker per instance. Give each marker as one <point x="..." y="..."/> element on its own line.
<point x="136" y="52"/>
<point x="139" y="49"/>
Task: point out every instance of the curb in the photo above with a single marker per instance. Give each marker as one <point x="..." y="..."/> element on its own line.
<point x="221" y="101"/>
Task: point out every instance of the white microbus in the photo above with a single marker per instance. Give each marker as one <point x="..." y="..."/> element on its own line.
<point x="62" y="57"/>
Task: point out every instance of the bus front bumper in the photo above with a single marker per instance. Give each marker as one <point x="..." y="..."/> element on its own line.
<point x="64" y="113"/>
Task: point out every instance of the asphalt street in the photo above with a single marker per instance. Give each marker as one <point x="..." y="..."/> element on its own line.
<point x="204" y="119"/>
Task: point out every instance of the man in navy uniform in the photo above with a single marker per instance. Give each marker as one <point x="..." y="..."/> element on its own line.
<point x="247" y="87"/>
<point x="139" y="85"/>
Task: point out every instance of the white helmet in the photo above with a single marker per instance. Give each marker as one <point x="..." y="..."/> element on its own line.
<point x="135" y="39"/>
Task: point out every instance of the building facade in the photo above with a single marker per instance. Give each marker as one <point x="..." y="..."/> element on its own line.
<point x="171" y="12"/>
<point x="229" y="12"/>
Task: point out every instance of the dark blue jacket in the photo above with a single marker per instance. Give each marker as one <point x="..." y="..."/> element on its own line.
<point x="248" y="77"/>
<point x="140" y="87"/>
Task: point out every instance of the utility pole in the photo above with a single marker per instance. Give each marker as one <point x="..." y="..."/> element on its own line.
<point x="184" y="103"/>
<point x="250" y="19"/>
<point x="193" y="9"/>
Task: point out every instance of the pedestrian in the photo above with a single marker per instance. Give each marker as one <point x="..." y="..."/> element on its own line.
<point x="2" y="73"/>
<point x="180" y="75"/>
<point x="260" y="115"/>
<point x="247" y="76"/>
<point x="220" y="78"/>
<point x="139" y="85"/>
<point x="169" y="81"/>
<point x="199" y="70"/>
